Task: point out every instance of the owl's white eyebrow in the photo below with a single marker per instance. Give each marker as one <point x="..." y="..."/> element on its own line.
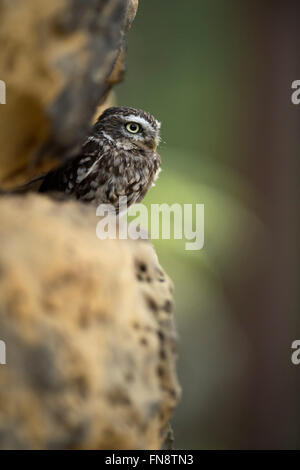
<point x="138" y="119"/>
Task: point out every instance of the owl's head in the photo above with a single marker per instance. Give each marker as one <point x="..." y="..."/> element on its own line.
<point x="129" y="128"/>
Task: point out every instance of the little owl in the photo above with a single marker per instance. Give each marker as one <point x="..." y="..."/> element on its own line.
<point x="119" y="158"/>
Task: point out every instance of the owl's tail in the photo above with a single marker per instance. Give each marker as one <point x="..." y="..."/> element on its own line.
<point x="31" y="186"/>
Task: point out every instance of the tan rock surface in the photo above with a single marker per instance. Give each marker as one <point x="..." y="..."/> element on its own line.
<point x="89" y="332"/>
<point x="59" y="60"/>
<point x="88" y="324"/>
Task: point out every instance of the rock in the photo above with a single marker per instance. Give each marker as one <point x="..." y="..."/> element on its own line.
<point x="59" y="62"/>
<point x="89" y="333"/>
<point x="88" y="324"/>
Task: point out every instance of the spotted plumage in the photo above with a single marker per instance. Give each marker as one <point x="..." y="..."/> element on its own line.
<point x="119" y="158"/>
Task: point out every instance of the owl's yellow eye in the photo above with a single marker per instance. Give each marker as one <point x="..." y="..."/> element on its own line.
<point x="133" y="127"/>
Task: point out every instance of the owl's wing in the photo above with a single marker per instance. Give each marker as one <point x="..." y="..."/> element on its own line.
<point x="90" y="157"/>
<point x="68" y="176"/>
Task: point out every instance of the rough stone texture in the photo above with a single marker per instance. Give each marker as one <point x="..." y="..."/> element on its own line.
<point x="89" y="332"/>
<point x="88" y="324"/>
<point x="59" y="62"/>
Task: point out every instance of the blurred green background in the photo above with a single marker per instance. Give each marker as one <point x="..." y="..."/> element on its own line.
<point x="207" y="70"/>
